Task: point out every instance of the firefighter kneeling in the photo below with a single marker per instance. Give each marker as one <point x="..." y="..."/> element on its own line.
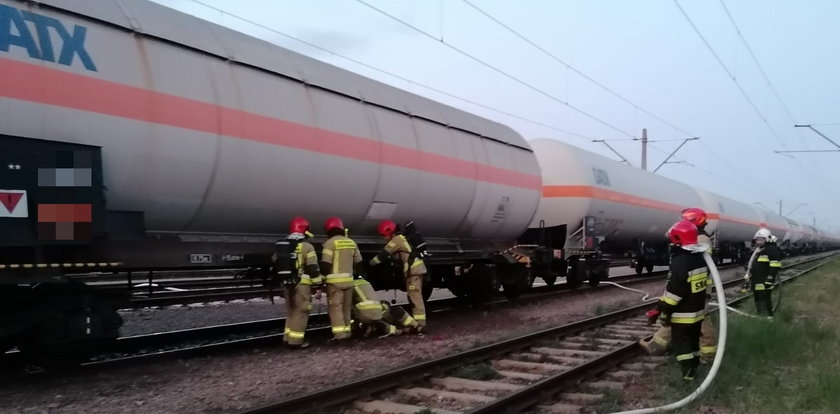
<point x="377" y="317"/>
<point x="682" y="307"/>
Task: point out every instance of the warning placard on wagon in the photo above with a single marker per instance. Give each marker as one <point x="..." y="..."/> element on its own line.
<point x="13" y="203"/>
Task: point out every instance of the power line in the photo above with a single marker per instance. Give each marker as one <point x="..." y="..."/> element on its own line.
<point x="574" y="69"/>
<point x="708" y="172"/>
<point x="594" y="81"/>
<point x="497" y="70"/>
<point x="394" y="75"/>
<point x="746" y="96"/>
<point x="729" y="73"/>
<point x="767" y="79"/>
<point x="755" y="59"/>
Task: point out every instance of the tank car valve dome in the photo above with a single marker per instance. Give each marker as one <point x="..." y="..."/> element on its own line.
<point x="333" y="223"/>
<point x="387" y="228"/>
<point x="299" y="225"/>
<point x="695" y="215"/>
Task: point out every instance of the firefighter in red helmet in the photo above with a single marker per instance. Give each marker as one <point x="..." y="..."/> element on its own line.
<point x="708" y="332"/>
<point x="682" y="306"/>
<point x="412" y="268"/>
<point x="340" y="258"/>
<point x="299" y="296"/>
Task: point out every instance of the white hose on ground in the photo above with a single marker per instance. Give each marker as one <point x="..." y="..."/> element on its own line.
<point x="721" y="300"/>
<point x="644" y="298"/>
<point x="733" y="310"/>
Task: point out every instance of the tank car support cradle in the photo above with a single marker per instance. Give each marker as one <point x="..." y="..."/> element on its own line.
<point x="478" y="281"/>
<point x="586" y="267"/>
<point x="514" y="269"/>
<point x="55" y="320"/>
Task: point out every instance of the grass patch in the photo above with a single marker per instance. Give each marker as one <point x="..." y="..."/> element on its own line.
<point x="481" y="371"/>
<point x="425" y="411"/>
<point x="611" y="402"/>
<point x="790" y="365"/>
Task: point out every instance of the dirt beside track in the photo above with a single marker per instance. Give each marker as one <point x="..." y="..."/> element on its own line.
<point x="248" y="379"/>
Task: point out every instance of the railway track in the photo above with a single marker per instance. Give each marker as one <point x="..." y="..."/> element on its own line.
<point x="149" y="289"/>
<point x="542" y="371"/>
<point x="269" y="332"/>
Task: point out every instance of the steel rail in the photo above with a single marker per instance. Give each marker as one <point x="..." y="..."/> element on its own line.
<point x="536" y="393"/>
<point x="314" y="401"/>
<point x="267" y="332"/>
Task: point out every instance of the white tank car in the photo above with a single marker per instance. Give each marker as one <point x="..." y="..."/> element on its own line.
<point x="207" y="130"/>
<point x="730" y="220"/>
<point x="627" y="203"/>
<point x="630" y="205"/>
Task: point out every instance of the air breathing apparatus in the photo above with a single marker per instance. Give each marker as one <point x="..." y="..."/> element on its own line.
<point x="284" y="262"/>
<point x="416" y="241"/>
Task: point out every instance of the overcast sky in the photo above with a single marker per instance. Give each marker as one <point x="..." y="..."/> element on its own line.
<point x="644" y="52"/>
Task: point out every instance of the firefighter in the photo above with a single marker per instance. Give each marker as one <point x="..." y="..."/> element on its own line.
<point x="682" y="307"/>
<point x="299" y="297"/>
<point x="367" y="310"/>
<point x="412" y="268"/>
<point x="763" y="271"/>
<point x="708" y="332"/>
<point x="339" y="260"/>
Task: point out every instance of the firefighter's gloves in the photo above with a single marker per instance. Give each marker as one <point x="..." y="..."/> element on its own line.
<point x="652" y="316"/>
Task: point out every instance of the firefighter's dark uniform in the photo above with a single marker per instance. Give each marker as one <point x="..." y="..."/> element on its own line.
<point x="338" y="259"/>
<point x="763" y="273"/>
<point x="413" y="272"/>
<point x="661" y="340"/>
<point x="299" y="297"/>
<point x="683" y="307"/>
<point x="367" y="310"/>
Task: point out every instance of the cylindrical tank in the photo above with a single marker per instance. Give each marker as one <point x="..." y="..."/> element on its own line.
<point x="207" y="130"/>
<point x="628" y="204"/>
<point x="734" y="222"/>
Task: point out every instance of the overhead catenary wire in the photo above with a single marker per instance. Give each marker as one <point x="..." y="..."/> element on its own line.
<point x="391" y="74"/>
<point x="497" y="70"/>
<point x="598" y="83"/>
<point x="729" y="73"/>
<point x="701" y="169"/>
<point x="769" y="83"/>
<point x="757" y="63"/>
<point x="825" y="191"/>
<point x="576" y="70"/>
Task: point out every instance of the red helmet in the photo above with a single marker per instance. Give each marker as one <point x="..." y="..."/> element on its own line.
<point x="683" y="233"/>
<point x="299" y="225"/>
<point x="695" y="215"/>
<point x="386" y="228"/>
<point x="333" y="223"/>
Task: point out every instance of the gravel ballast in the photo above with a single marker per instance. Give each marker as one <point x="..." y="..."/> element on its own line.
<point x="248" y="379"/>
